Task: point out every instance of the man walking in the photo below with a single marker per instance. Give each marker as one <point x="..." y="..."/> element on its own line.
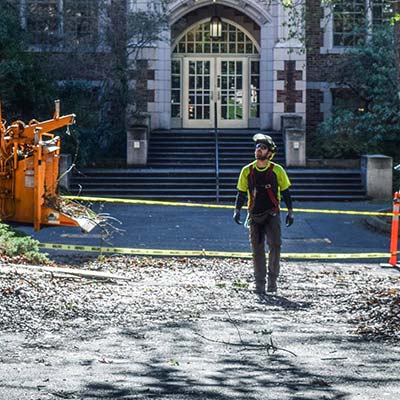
<point x="263" y="183"/>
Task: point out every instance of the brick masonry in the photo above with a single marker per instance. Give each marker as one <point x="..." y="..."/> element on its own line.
<point x="320" y="67"/>
<point x="290" y="96"/>
<point x="314" y="98"/>
<point x="155" y="86"/>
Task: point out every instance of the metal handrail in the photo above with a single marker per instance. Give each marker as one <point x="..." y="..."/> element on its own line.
<point x="216" y="152"/>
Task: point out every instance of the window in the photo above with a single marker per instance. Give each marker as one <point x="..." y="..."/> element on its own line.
<point x="43" y="21"/>
<point x="255" y="89"/>
<point x="352" y="19"/>
<point x="80" y="21"/>
<point x="349" y="22"/>
<point x="232" y="90"/>
<point x="233" y="41"/>
<point x="382" y="11"/>
<point x="176" y="89"/>
<point x="67" y="22"/>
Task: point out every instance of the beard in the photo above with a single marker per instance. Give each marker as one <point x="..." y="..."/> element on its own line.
<point x="261" y="157"/>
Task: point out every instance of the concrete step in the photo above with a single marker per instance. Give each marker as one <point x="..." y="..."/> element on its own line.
<point x="182" y="167"/>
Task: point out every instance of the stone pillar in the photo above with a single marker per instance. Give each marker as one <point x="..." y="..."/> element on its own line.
<point x="294" y="137"/>
<point x="295" y="147"/>
<point x="377" y="175"/>
<point x="64" y="166"/>
<point x="160" y="106"/>
<point x="137" y="145"/>
<point x="267" y="75"/>
<point x="290" y="63"/>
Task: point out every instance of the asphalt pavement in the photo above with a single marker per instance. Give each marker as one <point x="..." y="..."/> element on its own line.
<point x="193" y="328"/>
<point x="198" y="228"/>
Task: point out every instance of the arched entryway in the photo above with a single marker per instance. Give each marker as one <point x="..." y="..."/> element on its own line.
<point x="215" y="80"/>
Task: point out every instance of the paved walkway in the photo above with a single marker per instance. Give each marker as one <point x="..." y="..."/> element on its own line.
<point x="192" y="228"/>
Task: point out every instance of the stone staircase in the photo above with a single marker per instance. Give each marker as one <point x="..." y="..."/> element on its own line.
<point x="181" y="167"/>
<point x="196" y="148"/>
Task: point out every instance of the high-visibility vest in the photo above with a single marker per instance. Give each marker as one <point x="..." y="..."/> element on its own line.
<point x="268" y="187"/>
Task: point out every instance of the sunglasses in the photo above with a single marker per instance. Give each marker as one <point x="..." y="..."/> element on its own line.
<point x="261" y="146"/>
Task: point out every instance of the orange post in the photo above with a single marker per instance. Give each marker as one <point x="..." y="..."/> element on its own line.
<point x="394" y="240"/>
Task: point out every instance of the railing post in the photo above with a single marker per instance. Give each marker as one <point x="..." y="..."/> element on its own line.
<point x="377" y="175"/>
<point x="216" y="151"/>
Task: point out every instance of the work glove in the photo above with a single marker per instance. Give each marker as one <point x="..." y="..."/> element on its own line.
<point x="236" y="217"/>
<point x="289" y="218"/>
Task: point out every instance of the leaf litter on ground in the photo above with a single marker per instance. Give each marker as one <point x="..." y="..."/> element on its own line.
<point x="162" y="290"/>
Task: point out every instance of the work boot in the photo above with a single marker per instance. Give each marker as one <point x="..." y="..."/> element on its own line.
<point x="272" y="287"/>
<point x="260" y="290"/>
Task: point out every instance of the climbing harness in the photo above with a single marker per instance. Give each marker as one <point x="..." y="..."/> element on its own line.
<point x="268" y="187"/>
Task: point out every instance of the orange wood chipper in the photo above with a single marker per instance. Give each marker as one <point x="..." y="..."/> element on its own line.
<point x="29" y="169"/>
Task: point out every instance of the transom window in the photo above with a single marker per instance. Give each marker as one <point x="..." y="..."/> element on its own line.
<point x="198" y="41"/>
<point x="353" y="18"/>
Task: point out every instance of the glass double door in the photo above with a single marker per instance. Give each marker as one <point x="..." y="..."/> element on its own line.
<point x="215" y="89"/>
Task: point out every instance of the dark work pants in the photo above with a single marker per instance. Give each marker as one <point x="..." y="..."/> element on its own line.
<point x="269" y="231"/>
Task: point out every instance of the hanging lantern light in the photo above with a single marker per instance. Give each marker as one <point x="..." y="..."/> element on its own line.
<point x="215" y="25"/>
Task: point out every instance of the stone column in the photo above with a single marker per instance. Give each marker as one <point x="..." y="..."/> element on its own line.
<point x="289" y="70"/>
<point x="160" y="108"/>
<point x="295" y="147"/>
<point x="377" y="175"/>
<point x="137" y="136"/>
<point x="294" y="137"/>
<point x="266" y="75"/>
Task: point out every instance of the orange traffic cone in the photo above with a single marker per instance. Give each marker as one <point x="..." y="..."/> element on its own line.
<point x="394" y="238"/>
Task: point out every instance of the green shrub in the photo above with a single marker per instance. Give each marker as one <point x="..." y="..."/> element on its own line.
<point x="15" y="243"/>
<point x="372" y="124"/>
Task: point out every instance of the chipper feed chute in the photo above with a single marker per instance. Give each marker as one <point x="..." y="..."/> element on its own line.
<point x="29" y="168"/>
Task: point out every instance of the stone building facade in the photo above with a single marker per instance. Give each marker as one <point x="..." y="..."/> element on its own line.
<point x="250" y="77"/>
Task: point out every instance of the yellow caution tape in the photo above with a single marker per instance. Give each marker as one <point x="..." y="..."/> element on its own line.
<point x="309" y="210"/>
<point x="343" y="256"/>
<point x="177" y="204"/>
<point x="148" y="202"/>
<point x="205" y="253"/>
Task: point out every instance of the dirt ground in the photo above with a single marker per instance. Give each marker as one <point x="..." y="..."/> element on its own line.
<point x="194" y="329"/>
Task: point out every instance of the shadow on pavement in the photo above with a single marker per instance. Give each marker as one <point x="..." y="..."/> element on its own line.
<point x="283" y="302"/>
